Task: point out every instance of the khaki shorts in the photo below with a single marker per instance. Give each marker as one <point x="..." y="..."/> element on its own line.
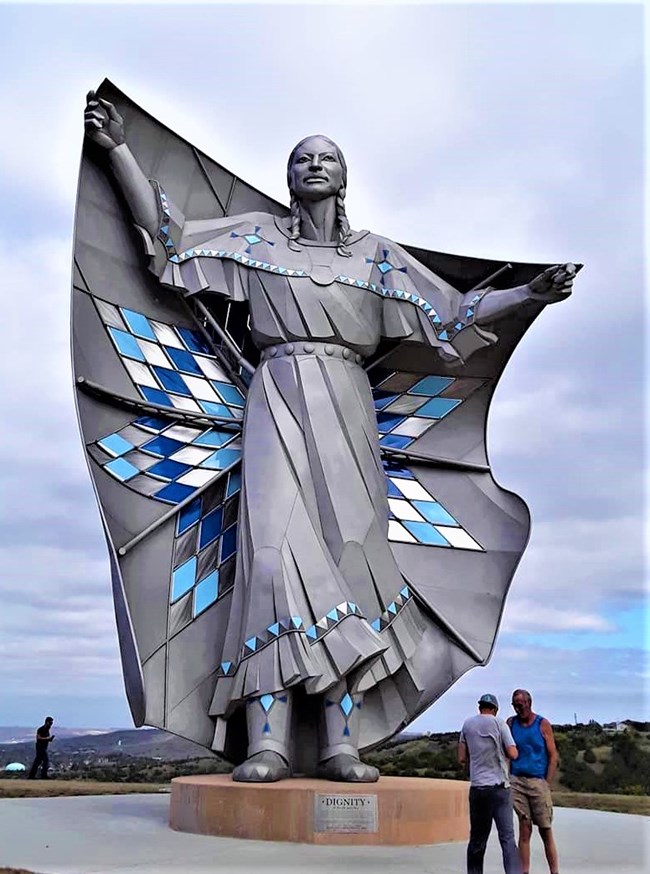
<point x="531" y="799"/>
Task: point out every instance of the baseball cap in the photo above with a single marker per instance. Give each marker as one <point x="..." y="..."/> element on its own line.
<point x="490" y="700"/>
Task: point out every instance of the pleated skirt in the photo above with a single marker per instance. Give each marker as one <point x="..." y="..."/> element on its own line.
<point x="318" y="595"/>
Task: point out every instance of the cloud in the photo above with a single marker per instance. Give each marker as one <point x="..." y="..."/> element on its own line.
<point x="527" y="614"/>
<point x="480" y="130"/>
<point x="589" y="684"/>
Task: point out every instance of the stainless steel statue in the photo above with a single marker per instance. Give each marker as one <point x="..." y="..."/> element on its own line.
<point x="308" y="606"/>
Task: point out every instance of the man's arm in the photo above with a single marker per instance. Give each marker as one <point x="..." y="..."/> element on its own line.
<point x="509" y="746"/>
<point x="551" y="749"/>
<point x="48" y="737"/>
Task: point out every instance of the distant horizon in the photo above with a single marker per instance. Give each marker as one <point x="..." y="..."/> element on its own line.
<point x="410" y="729"/>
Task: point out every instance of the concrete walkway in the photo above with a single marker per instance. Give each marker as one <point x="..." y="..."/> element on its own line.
<point x="128" y="834"/>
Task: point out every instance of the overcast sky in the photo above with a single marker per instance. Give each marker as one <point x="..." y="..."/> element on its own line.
<point x="502" y="131"/>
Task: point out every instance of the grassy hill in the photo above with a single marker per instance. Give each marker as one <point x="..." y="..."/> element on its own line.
<point x="592" y="760"/>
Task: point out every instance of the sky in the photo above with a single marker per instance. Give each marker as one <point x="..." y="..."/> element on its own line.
<point x="507" y="131"/>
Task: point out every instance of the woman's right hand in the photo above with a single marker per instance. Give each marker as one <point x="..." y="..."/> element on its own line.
<point x="103" y="123"/>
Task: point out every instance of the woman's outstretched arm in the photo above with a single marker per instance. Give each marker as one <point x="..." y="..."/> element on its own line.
<point x="105" y="127"/>
<point x="551" y="286"/>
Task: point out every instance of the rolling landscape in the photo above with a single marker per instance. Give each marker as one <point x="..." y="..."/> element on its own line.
<point x="602" y="767"/>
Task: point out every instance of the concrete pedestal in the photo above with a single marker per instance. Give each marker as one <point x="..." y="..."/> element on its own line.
<point x="394" y="811"/>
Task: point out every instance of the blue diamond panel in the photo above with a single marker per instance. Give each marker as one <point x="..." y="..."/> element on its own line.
<point x="115" y="445"/>
<point x="183" y="579"/>
<point x="121" y="469"/>
<point x="171" y="366"/>
<point x="417" y="517"/>
<point x="346" y="704"/>
<point x="206" y="593"/>
<point x="408" y="404"/>
<point x="212" y="533"/>
<point x="169" y="461"/>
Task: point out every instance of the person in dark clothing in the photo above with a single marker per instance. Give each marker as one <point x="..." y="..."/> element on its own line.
<point x="485" y="746"/>
<point x="43" y="740"/>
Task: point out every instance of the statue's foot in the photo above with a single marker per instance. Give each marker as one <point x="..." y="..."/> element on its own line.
<point x="264" y="767"/>
<point x="347" y="769"/>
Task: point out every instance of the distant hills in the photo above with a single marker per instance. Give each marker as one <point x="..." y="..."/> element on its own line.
<point x="611" y="759"/>
<point x="17" y="744"/>
<point x="13" y="734"/>
<point x="100" y="746"/>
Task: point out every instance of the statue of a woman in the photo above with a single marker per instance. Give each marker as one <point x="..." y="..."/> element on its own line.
<point x="315" y="572"/>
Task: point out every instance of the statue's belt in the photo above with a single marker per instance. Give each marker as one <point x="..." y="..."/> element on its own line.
<point x="322" y="350"/>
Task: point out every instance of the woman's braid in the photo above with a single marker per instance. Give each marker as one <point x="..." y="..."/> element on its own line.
<point x="295" y="224"/>
<point x="343" y="223"/>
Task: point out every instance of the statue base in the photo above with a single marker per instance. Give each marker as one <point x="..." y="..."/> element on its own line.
<point x="394" y="811"/>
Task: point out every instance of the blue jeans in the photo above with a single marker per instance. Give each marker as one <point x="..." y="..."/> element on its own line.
<point x="488" y="804"/>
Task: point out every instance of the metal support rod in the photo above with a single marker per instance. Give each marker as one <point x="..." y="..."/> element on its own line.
<point x="489" y="278"/>
<point x="450" y="463"/>
<point x="227" y="339"/>
<point x="382" y="357"/>
<point x="207" y="178"/>
<point x="173" y="510"/>
<point x="93" y="388"/>
<point x="218" y="351"/>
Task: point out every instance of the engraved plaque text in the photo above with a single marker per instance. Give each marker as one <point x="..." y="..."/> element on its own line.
<point x="345" y="813"/>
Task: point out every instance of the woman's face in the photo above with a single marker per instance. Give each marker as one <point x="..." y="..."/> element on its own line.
<point x="315" y="172"/>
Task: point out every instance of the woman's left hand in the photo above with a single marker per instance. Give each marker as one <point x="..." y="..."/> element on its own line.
<point x="553" y="284"/>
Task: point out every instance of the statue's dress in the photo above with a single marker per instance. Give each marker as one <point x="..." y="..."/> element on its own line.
<point x="315" y="571"/>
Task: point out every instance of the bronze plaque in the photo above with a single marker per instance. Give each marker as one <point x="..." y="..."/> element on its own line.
<point x="345" y="813"/>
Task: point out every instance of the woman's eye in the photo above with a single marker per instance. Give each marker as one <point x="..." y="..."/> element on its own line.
<point x="328" y="158"/>
<point x="303" y="159"/>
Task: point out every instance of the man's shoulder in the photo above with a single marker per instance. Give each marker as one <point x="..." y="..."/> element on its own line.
<point x="471" y="723"/>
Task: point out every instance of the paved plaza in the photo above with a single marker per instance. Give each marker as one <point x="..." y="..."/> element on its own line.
<point x="129" y="834"/>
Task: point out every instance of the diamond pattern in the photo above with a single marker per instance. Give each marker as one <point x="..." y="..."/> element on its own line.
<point x="171" y="366"/>
<point x="252" y="239"/>
<point x="408" y="404"/>
<point x="267" y="702"/>
<point x="416" y="516"/>
<point x="384" y="265"/>
<point x="346" y="705"/>
<point x="201" y="564"/>
<point x="393" y="609"/>
<point x="153" y="450"/>
<point x="295" y="624"/>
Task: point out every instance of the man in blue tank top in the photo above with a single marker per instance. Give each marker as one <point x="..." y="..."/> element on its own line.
<point x="486" y="744"/>
<point x="531" y="776"/>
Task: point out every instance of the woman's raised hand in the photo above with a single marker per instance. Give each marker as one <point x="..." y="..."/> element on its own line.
<point x="102" y="122"/>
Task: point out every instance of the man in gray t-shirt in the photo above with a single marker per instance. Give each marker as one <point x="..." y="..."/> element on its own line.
<point x="486" y="744"/>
